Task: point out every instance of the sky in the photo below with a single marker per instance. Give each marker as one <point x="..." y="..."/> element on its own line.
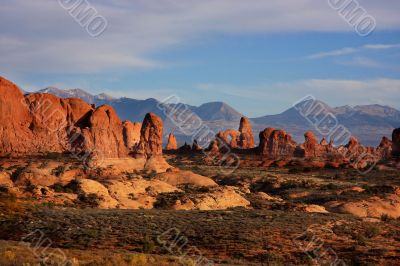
<point x="259" y="56"/>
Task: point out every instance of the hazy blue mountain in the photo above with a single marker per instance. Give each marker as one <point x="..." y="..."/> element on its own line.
<point x="367" y="122"/>
<point x="77" y="93"/>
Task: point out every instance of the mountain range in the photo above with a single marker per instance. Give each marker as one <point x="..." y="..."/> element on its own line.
<point x="367" y="122"/>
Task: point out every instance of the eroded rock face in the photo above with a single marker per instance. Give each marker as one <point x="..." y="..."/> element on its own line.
<point x="276" y="143"/>
<point x="246" y="134"/>
<point x="131" y="132"/>
<point x="37" y="123"/>
<point x="172" y="144"/>
<point x="310" y="145"/>
<point x="237" y="139"/>
<point x="230" y="137"/>
<point x="312" y="149"/>
<point x="15" y="120"/>
<point x="396" y="142"/>
<point x="41" y="123"/>
<point x="265" y="140"/>
<point x="384" y="150"/>
<point x="104" y="136"/>
<point x="196" y="146"/>
<point x="151" y="136"/>
<point x="185" y="148"/>
<point x="354" y="149"/>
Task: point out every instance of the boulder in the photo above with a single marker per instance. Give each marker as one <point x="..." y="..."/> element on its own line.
<point x="176" y="178"/>
<point x="220" y="199"/>
<point x="312" y="208"/>
<point x="138" y="193"/>
<point x="91" y="188"/>
<point x="156" y="164"/>
<point x="373" y="207"/>
<point x="118" y="166"/>
<point x="5" y="180"/>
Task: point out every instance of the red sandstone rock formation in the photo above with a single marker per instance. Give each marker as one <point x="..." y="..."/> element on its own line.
<point x="311" y="149"/>
<point x="172" y="144"/>
<point x="323" y="142"/>
<point x="265" y="141"/>
<point x="311" y="145"/>
<point x="276" y="143"/>
<point x="104" y="136"/>
<point x="236" y="139"/>
<point x="131" y="132"/>
<point x="15" y="120"/>
<point x="151" y="136"/>
<point x="384" y="150"/>
<point x="185" y="148"/>
<point x="396" y="142"/>
<point x="230" y="137"/>
<point x="196" y="147"/>
<point x="43" y="123"/>
<point x="246" y="139"/>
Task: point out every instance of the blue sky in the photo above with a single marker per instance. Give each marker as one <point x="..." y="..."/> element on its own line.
<point x="258" y="56"/>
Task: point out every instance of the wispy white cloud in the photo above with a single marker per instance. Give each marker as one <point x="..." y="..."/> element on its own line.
<point x="361" y="61"/>
<point x="381" y="46"/>
<point x="50" y="40"/>
<point x="339" y="52"/>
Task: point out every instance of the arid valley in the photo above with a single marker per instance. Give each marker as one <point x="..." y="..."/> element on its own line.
<point x="97" y="191"/>
<point x="199" y="133"/>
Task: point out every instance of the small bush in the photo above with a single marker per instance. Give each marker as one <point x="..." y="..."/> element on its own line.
<point x="148" y="246"/>
<point x="59" y="170"/>
<point x="58" y="188"/>
<point x="386" y="218"/>
<point x="90" y="200"/>
<point x="329" y="186"/>
<point x="17" y="173"/>
<point x="372" y="231"/>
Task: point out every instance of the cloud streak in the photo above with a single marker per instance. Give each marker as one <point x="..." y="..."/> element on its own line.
<point x="339" y="52"/>
<point x="39" y="36"/>
<point x="353" y="50"/>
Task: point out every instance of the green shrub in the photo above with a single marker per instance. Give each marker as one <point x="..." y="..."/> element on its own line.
<point x="59" y="170"/>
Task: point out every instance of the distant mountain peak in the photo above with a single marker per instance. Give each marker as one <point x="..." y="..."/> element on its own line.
<point x="367" y="122"/>
<point x="77" y="93"/>
<point x="217" y="111"/>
